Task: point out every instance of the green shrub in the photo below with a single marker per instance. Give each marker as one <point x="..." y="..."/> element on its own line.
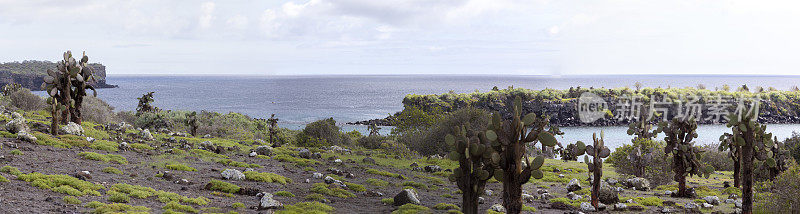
<point x="223" y="186"/>
<point x="574" y="203"/>
<point x="61" y="183"/>
<point x="431" y="141"/>
<point x="11" y="170"/>
<point x="445" y="206"/>
<point x="711" y="156"/>
<point x="355" y="187"/>
<point x="315" y="197"/>
<point x="649" y="201"/>
<point x="322" y="188"/>
<point x="3" y="179"/>
<point x="266" y="177"/>
<point x="306" y="207"/>
<point x="114" y="196"/>
<point x="284" y="194"/>
<point x="371" y="142"/>
<point x="67" y="190"/>
<point x="112" y="170"/>
<point x="411" y="209"/>
<point x="783" y="192"/>
<point x="322" y="133"/>
<point x="105" y="158"/>
<point x="237" y="205"/>
<point x="387" y="201"/>
<point x="172" y="205"/>
<point x="180" y="167"/>
<point x="105" y="145"/>
<point x="384" y="173"/>
<point x="15" y="152"/>
<point x="71" y="200"/>
<point x="657" y="169"/>
<point x="96" y="110"/>
<point x="377" y="183"/>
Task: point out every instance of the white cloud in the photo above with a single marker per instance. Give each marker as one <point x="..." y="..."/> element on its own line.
<point x="206" y="14"/>
<point x="237" y="22"/>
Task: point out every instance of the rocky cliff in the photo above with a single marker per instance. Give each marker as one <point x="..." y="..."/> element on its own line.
<point x="30" y="74"/>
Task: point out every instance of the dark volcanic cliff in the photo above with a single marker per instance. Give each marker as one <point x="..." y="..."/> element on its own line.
<point x="30" y="74"/>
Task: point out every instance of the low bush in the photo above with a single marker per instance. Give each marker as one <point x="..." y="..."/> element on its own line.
<point x="266" y="177"/>
<point x="25" y="100"/>
<point x="237" y="205"/>
<point x="336" y="192"/>
<point x="783" y="192"/>
<point x="104" y="157"/>
<point x="71" y="200"/>
<point x="431" y="141"/>
<point x="711" y="155"/>
<point x="323" y="133"/>
<point x="223" y="186"/>
<point x="306" y="207"/>
<point x="654" y="164"/>
<point x="180" y="167"/>
<point x="96" y="110"/>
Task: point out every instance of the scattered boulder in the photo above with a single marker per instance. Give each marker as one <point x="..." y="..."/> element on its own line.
<point x="528" y="198"/>
<point x="368" y="160"/>
<point x="267" y="202"/>
<point x="640" y="184"/>
<point x="26" y="137"/>
<point x="338" y="161"/>
<point x="233" y="174"/>
<point x="432" y="168"/>
<point x="573" y="196"/>
<point x="498" y="208"/>
<point x="729" y="201"/>
<point x="317" y="175"/>
<point x="691" y="206"/>
<point x="407" y="196"/>
<point x="330" y="180"/>
<point x="83" y="175"/>
<point x="124" y="146"/>
<point x="667" y="192"/>
<point x="607" y="195"/>
<point x="707" y="205"/>
<point x="90" y="139"/>
<point x="264" y="150"/>
<point x="713" y="200"/>
<point x="373" y="194"/>
<point x="253" y="154"/>
<point x="611" y="181"/>
<point x="487" y="192"/>
<point x="481" y="200"/>
<point x="304" y="153"/>
<point x="545" y="196"/>
<point x="17" y="124"/>
<point x="574" y="185"/>
<point x="145" y="135"/>
<point x="587" y="207"/>
<point x="316" y="155"/>
<point x="620" y="207"/>
<point x="73" y="129"/>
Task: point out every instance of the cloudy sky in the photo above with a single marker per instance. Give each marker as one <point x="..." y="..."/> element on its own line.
<point x="324" y="37"/>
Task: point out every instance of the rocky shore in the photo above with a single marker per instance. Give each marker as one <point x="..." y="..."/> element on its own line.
<point x="32" y="77"/>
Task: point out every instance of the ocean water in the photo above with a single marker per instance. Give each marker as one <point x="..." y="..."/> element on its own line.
<point x="298" y="100"/>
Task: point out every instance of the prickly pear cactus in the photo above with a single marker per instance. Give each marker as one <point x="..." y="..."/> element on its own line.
<point x="755" y="143"/>
<point x="727" y="142"/>
<point x="679" y="135"/>
<point x="508" y="139"/>
<point x="273" y="131"/>
<point x="10" y="88"/>
<point x="642" y="128"/>
<point x="191" y="122"/>
<point x="474" y="154"/>
<point x="67" y="86"/>
<point x="597" y="151"/>
<point x="781" y="155"/>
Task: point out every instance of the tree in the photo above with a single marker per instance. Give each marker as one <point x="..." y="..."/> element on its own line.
<point x="727" y="142"/>
<point x="685" y="161"/>
<point x="508" y="138"/>
<point x="598" y="151"/>
<point x="145" y="104"/>
<point x="67" y="86"/>
<point x="473" y="152"/>
<point x="755" y="143"/>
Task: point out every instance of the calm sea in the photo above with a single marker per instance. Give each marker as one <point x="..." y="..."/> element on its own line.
<point x="298" y="100"/>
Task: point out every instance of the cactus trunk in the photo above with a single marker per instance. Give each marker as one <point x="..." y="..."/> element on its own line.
<point x="737" y="174"/>
<point x="598" y="173"/>
<point x="469" y="202"/>
<point x="680" y="177"/>
<point x="512" y="191"/>
<point x="54" y="121"/>
<point x="747" y="175"/>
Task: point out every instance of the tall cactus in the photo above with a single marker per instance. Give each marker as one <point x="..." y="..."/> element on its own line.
<point x="67" y="86"/>
<point x="474" y="155"/>
<point x="641" y="128"/>
<point x="781" y="155"/>
<point x="755" y="143"/>
<point x="598" y="151"/>
<point x="191" y="122"/>
<point x="727" y="142"/>
<point x="685" y="161"/>
<point x="273" y="131"/>
<point x="508" y="138"/>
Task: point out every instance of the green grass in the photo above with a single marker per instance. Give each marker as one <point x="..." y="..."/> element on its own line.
<point x="284" y="194"/>
<point x="416" y="185"/>
<point x="47" y="140"/>
<point x="71" y="200"/>
<point x="377" y="183"/>
<point x="237" y="205"/>
<point x="118" y="197"/>
<point x="100" y="208"/>
<point x="266" y="177"/>
<point x="445" y="206"/>
<point x="105" y="145"/>
<point x="112" y="170"/>
<point x="15" y="152"/>
<point x="180" y="167"/>
<point x="315" y="197"/>
<point x="574" y="203"/>
<point x="322" y="188"/>
<point x="105" y="158"/>
<point x="387" y="201"/>
<point x="306" y="207"/>
<point x="11" y="170"/>
<point x="732" y="190"/>
<point x="175" y="206"/>
<point x="61" y="183"/>
<point x="529" y="209"/>
<point x="204" y="154"/>
<point x="309" y="169"/>
<point x="141" y="146"/>
<point x="384" y="173"/>
<point x="411" y="209"/>
<point x="355" y="187"/>
<point x="295" y="160"/>
<point x="6" y="134"/>
<point x="649" y="201"/>
<point x="3" y="179"/>
<point x="223" y="186"/>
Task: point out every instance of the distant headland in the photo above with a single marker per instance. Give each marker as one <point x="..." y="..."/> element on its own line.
<point x="30" y="73"/>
